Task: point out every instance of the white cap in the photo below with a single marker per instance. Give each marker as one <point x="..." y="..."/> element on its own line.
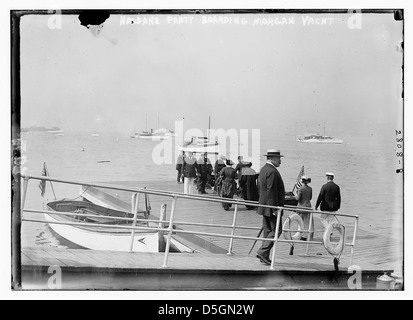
<point x="329" y="174"/>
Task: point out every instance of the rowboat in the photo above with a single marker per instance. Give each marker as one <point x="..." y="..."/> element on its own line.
<point x="105" y="236"/>
<point x="97" y="211"/>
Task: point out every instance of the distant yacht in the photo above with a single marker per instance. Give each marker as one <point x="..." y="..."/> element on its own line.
<point x="318" y="138"/>
<point x="159" y="134"/>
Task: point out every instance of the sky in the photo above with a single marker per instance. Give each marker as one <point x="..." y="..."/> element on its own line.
<point x="244" y="73"/>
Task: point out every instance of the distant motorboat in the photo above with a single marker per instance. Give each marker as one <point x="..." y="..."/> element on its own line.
<point x="318" y="138"/>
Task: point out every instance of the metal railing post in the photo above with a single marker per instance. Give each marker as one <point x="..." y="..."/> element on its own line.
<point x="309" y="232"/>
<point x="170" y="231"/>
<point x="135" y="207"/>
<point x="277" y="228"/>
<point x="356" y="224"/>
<point x="234" y="223"/>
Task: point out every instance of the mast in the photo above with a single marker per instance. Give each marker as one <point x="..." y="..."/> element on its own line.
<point x="209" y="127"/>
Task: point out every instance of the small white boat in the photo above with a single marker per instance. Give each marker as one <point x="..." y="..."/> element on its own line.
<point x="106" y="236"/>
<point x="318" y="138"/>
<point x="200" y="145"/>
<point x="95" y="135"/>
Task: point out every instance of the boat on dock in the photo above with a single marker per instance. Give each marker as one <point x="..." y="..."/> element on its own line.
<point x="103" y="218"/>
<point x="105" y="237"/>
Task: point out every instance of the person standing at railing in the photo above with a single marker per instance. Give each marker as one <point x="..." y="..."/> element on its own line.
<point x="219" y="165"/>
<point x="304" y="196"/>
<point x="272" y="193"/>
<point x="228" y="187"/>
<point x="179" y="163"/>
<point x="205" y="170"/>
<point x="329" y="199"/>
<point x="189" y="172"/>
<point x="248" y="184"/>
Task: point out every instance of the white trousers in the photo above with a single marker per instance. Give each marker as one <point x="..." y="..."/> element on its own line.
<point x="189" y="185"/>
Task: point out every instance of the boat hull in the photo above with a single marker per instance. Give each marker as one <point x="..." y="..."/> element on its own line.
<point x="105" y="239"/>
<point x="335" y="141"/>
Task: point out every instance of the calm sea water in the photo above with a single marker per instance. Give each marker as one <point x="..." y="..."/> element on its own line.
<point x="365" y="169"/>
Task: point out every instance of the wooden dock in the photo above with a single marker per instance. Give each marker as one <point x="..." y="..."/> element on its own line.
<point x="211" y="267"/>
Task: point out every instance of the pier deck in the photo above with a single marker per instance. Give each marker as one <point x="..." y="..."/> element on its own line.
<point x="210" y="267"/>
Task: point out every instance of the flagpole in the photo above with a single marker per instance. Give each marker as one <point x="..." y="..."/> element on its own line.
<point x="51" y="185"/>
<point x="299" y="176"/>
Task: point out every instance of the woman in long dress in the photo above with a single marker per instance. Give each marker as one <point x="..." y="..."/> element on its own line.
<point x="304" y="196"/>
<point x="228" y="186"/>
<point x="248" y="183"/>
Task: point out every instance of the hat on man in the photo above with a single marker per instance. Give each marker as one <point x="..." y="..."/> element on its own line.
<point x="273" y="153"/>
<point x="229" y="162"/>
<point x="329" y="174"/>
<point x="306" y="179"/>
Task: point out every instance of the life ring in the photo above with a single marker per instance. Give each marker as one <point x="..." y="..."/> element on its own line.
<point x="287" y="226"/>
<point x="338" y="249"/>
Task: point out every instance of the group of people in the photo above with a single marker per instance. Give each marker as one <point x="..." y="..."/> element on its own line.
<point x="267" y="188"/>
<point x="190" y="169"/>
<point x="272" y="193"/>
<point x="225" y="180"/>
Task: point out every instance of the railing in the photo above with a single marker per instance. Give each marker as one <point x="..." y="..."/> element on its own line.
<point x="169" y="230"/>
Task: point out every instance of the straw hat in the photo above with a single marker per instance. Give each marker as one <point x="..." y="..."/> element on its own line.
<point x="273" y="153"/>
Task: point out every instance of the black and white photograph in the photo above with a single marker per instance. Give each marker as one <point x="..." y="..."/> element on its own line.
<point x="255" y="150"/>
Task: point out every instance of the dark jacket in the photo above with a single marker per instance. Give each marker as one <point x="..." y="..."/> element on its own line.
<point x="228" y="182"/>
<point x="249" y="184"/>
<point x="329" y="198"/>
<point x="219" y="165"/>
<point x="179" y="162"/>
<point x="190" y="167"/>
<point x="272" y="191"/>
<point x="204" y="167"/>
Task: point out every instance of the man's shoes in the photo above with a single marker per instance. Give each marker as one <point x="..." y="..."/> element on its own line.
<point x="264" y="259"/>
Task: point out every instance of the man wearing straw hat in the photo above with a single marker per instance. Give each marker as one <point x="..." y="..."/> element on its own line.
<point x="272" y="193"/>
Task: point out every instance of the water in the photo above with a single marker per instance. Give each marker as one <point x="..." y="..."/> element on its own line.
<point x="365" y="169"/>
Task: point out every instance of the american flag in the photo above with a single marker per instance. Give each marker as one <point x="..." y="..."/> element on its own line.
<point x="298" y="183"/>
<point x="42" y="184"/>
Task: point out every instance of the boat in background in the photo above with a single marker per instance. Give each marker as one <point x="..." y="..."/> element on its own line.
<point x="155" y="135"/>
<point x="200" y="145"/>
<point x="36" y="128"/>
<point x="318" y="138"/>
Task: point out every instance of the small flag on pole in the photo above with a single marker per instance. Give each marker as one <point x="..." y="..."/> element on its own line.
<point x="42" y="184"/>
<point x="298" y="183"/>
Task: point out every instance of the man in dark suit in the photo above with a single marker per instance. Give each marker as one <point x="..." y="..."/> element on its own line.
<point x="272" y="193"/>
<point x="329" y="199"/>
